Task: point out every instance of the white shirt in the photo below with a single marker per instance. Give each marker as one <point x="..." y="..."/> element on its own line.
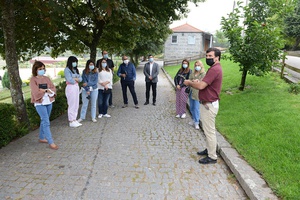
<point x="151" y="66"/>
<point x="103" y="77"/>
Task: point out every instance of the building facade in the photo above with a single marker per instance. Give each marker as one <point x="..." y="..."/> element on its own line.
<point x="186" y="41"/>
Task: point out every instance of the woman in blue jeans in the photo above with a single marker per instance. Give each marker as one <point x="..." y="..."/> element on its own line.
<point x="198" y="73"/>
<point x="43" y="94"/>
<point x="104" y="88"/>
<point x="89" y="90"/>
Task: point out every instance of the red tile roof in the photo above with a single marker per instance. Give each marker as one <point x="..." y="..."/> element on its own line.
<point x="186" y="28"/>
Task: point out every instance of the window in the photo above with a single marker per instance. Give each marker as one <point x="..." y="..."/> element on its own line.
<point x="191" y="39"/>
<point x="174" y="39"/>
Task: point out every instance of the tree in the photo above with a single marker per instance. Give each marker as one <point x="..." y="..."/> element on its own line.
<point x="220" y="39"/>
<point x="8" y="26"/>
<point x="88" y="25"/>
<point x="256" y="43"/>
<point x="292" y="26"/>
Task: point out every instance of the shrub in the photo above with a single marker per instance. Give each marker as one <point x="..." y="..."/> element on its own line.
<point x="294" y="88"/>
<point x="61" y="74"/>
<point x="5" y="80"/>
<point x="26" y="82"/>
<point x="8" y="124"/>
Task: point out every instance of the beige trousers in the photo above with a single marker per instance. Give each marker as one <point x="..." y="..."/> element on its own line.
<point x="208" y="113"/>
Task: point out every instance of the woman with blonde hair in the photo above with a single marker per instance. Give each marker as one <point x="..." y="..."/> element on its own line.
<point x="199" y="73"/>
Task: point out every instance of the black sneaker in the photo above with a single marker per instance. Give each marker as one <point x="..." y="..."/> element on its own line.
<point x="146" y="103"/>
<point x="202" y="153"/>
<point x="207" y="160"/>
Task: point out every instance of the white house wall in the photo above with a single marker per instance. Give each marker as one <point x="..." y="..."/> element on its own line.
<point x="182" y="49"/>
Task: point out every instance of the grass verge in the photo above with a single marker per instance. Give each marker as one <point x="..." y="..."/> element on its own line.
<point x="262" y="124"/>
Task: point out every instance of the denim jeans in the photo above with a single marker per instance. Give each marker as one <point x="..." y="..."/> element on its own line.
<point x="85" y="103"/>
<point x="44" y="112"/>
<point x="103" y="99"/>
<point x="195" y="109"/>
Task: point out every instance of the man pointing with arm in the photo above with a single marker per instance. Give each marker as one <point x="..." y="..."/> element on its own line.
<point x="209" y="96"/>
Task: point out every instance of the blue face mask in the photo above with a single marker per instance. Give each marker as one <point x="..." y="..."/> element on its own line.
<point x="197" y="68"/>
<point x="105" y="56"/>
<point x="184" y="66"/>
<point x="91" y="67"/>
<point x="41" y="72"/>
<point x="151" y="59"/>
<point x="104" y="64"/>
<point x="74" y="64"/>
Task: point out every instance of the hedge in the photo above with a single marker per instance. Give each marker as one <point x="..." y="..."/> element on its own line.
<point x="9" y="128"/>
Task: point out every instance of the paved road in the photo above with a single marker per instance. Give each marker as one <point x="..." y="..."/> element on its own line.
<point x="294" y="62"/>
<point x="143" y="153"/>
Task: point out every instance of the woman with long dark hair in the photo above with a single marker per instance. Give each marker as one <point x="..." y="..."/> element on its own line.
<point x="72" y="77"/>
<point x="181" y="96"/>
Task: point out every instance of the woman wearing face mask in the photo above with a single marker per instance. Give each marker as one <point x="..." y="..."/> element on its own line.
<point x="90" y="90"/>
<point x="42" y="96"/>
<point x="72" y="77"/>
<point x="199" y="73"/>
<point x="104" y="88"/>
<point x="181" y="96"/>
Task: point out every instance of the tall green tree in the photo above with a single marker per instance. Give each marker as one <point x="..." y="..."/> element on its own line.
<point x="292" y="25"/>
<point x="8" y="26"/>
<point x="256" y="41"/>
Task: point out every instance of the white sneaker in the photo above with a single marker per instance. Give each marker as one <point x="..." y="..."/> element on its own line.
<point x="197" y="126"/>
<point x="100" y="116"/>
<point x="73" y="124"/>
<point x="177" y="116"/>
<point x="183" y="116"/>
<point x="111" y="106"/>
<point x="192" y="123"/>
<point x="79" y="120"/>
<point x="106" y="115"/>
<point x="78" y="123"/>
<point x="94" y="120"/>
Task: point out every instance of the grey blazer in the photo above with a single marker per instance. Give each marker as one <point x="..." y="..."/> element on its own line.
<point x="155" y="71"/>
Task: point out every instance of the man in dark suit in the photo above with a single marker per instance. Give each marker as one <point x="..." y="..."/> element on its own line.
<point x="151" y="70"/>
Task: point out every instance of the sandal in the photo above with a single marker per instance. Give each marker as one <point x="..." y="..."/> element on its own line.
<point x="43" y="141"/>
<point x="53" y="146"/>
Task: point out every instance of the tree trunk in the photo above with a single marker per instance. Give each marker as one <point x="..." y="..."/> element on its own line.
<point x="243" y="81"/>
<point x="11" y="58"/>
<point x="296" y="44"/>
<point x="93" y="53"/>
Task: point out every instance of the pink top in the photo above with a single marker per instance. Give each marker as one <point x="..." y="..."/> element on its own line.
<point x="36" y="94"/>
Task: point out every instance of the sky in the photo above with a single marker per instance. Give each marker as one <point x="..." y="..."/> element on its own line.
<point x="207" y="16"/>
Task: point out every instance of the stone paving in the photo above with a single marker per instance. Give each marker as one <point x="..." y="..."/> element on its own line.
<point x="143" y="153"/>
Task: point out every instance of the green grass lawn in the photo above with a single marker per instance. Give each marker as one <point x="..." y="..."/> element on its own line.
<point x="262" y="123"/>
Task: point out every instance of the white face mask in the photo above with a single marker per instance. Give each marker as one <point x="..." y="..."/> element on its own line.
<point x="126" y="61"/>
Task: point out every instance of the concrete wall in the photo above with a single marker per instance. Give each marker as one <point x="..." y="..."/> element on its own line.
<point x="182" y="48"/>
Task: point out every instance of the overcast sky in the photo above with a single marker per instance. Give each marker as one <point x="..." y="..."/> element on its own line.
<point x="207" y="16"/>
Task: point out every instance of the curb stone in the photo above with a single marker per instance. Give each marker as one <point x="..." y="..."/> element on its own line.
<point x="253" y="184"/>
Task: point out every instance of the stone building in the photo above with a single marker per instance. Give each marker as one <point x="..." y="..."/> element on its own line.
<point x="186" y="41"/>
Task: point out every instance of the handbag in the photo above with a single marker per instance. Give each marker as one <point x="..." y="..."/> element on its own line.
<point x="187" y="90"/>
<point x="108" y="91"/>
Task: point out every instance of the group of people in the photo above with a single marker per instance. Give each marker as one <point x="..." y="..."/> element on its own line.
<point x="200" y="87"/>
<point x="96" y="88"/>
<point x="97" y="81"/>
